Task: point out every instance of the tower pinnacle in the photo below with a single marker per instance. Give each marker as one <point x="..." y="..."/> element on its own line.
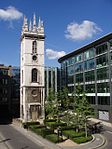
<point x="25" y="24"/>
<point x="34" y="23"/>
<point x="30" y="26"/>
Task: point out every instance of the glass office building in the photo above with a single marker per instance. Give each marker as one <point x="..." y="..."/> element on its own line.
<point x="91" y="67"/>
<point x="52" y="80"/>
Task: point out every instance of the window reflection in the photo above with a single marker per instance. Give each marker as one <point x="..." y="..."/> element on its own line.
<point x="79" y="67"/>
<point x="90" y="64"/>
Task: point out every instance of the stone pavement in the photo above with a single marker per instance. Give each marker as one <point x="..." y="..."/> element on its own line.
<point x="103" y="122"/>
<point x="98" y="141"/>
<point x="3" y="144"/>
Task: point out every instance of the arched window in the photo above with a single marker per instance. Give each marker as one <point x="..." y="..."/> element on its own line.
<point x="34" y="47"/>
<point x="34" y="75"/>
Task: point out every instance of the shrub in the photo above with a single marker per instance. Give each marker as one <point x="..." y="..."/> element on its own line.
<point x="54" y="125"/>
<point x="49" y="120"/>
<point x="53" y="138"/>
<point x="46" y="131"/>
<point x="28" y="124"/>
<point x="37" y="129"/>
<point x="73" y="134"/>
<point x="41" y="130"/>
<point x="68" y="128"/>
<point x="82" y="139"/>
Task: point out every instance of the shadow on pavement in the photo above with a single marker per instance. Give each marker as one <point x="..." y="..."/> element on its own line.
<point x="5" y="140"/>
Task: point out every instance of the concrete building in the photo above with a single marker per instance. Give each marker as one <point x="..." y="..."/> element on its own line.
<point x="32" y="71"/>
<point x="91" y="67"/>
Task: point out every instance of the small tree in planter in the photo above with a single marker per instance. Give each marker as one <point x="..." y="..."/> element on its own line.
<point x="82" y="108"/>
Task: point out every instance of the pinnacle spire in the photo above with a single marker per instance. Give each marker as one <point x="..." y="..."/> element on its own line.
<point x="30" y="26"/>
<point x="25" y="24"/>
<point x="39" y="22"/>
<point x="34" y="23"/>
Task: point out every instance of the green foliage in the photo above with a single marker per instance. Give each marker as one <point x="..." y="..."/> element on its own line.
<point x="80" y="140"/>
<point x="42" y="130"/>
<point x="63" y="98"/>
<point x="51" y="105"/>
<point x="53" y="138"/>
<point x="30" y="123"/>
<point x="54" y="125"/>
<point x="82" y="108"/>
<point x="50" y="120"/>
<point x="72" y="134"/>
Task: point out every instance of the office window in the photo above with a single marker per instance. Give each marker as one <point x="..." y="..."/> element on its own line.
<point x="91" y="99"/>
<point x="70" y="70"/>
<point x="70" y="79"/>
<point x="70" y="61"/>
<point x="89" y="76"/>
<point x="90" y="64"/>
<point x="70" y="89"/>
<point x="89" y="54"/>
<point x="101" y="49"/>
<point x="79" y="78"/>
<point x="103" y="100"/>
<point x="78" y="58"/>
<point x="90" y="88"/>
<point x="110" y="44"/>
<point x="102" y="60"/>
<point x="103" y="87"/>
<point x="6" y="81"/>
<point x="102" y="74"/>
<point x="81" y="87"/>
<point x="79" y="67"/>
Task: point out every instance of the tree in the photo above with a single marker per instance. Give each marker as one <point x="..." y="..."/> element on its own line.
<point x="51" y="105"/>
<point x="82" y="108"/>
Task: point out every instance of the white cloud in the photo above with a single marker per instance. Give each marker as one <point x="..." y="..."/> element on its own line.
<point x="52" y="54"/>
<point x="9" y="14"/>
<point x="82" y="31"/>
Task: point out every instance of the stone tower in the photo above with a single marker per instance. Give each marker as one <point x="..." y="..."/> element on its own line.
<point x="32" y="71"/>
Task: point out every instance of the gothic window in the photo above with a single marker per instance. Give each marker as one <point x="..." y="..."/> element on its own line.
<point x="34" y="47"/>
<point x="34" y="75"/>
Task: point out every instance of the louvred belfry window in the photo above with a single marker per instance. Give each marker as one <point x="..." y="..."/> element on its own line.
<point x="34" y="47"/>
<point x="34" y="75"/>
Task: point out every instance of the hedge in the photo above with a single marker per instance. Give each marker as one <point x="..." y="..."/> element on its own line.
<point x="27" y="124"/>
<point x="54" y="125"/>
<point x="53" y="138"/>
<point x="80" y="140"/>
<point x="50" y="120"/>
<point x="73" y="134"/>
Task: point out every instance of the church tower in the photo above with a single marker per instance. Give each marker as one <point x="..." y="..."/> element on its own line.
<point x="32" y="71"/>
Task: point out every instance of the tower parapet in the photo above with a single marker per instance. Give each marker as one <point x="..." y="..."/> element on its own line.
<point x="35" y="29"/>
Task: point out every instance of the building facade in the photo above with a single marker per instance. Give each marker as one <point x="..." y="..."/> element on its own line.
<point x="52" y="80"/>
<point x="15" y="91"/>
<point x="5" y="91"/>
<point x="91" y="67"/>
<point x="32" y="71"/>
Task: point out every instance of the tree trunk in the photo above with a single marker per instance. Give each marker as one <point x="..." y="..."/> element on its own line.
<point x="86" y="130"/>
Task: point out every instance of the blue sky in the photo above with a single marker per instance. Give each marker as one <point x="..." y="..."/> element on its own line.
<point x="69" y="24"/>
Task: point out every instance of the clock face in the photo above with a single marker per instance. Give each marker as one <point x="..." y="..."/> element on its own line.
<point x="34" y="57"/>
<point x="34" y="92"/>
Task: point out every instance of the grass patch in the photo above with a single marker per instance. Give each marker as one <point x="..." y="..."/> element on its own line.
<point x="54" y="125"/>
<point x="53" y="138"/>
<point x="80" y="140"/>
<point x="73" y="134"/>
